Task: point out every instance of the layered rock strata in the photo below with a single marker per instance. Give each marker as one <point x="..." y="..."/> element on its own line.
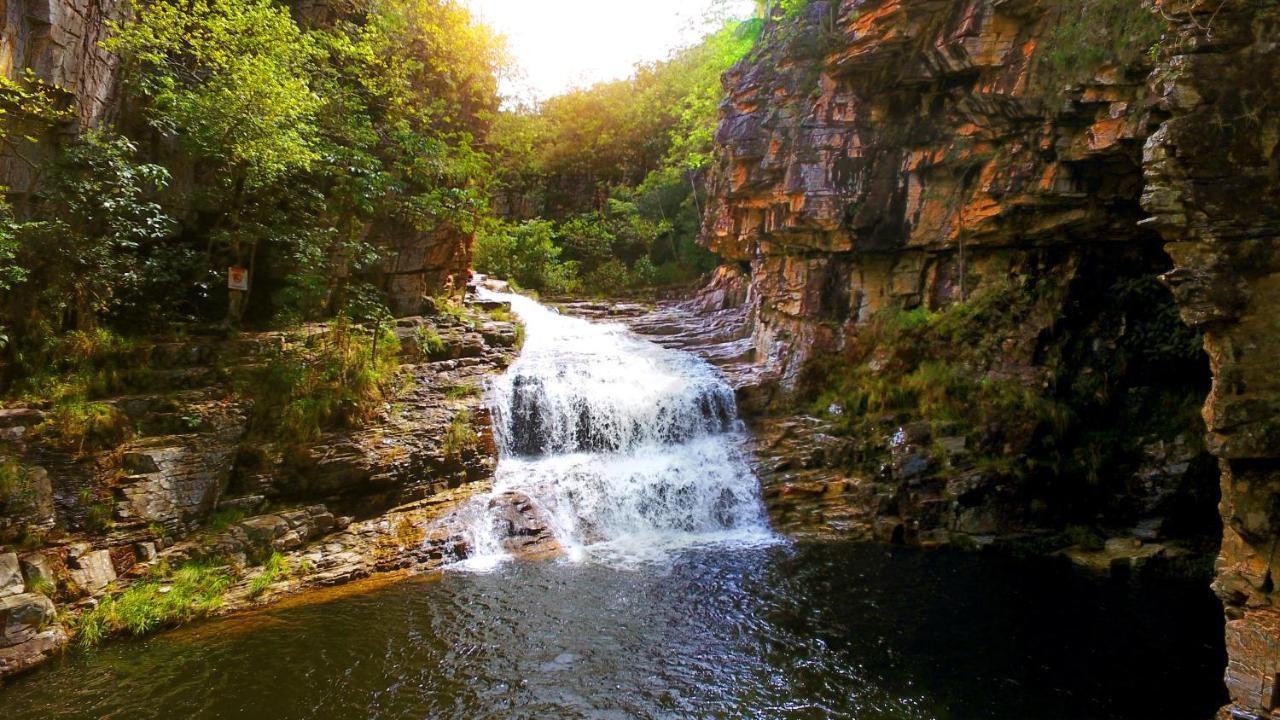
<point x="1213" y="190"/>
<point x="884" y="155"/>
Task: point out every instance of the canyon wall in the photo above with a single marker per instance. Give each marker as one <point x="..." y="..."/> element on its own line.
<point x="1213" y="190"/>
<point x="890" y="163"/>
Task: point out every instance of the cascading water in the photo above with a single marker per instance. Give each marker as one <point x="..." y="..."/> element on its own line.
<point x="627" y="449"/>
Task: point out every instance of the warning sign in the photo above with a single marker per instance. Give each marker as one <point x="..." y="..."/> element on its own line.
<point x="238" y="278"/>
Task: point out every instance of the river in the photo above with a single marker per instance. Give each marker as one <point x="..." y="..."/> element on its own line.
<point x="672" y="598"/>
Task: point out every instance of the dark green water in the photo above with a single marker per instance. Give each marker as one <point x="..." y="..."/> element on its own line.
<point x="809" y="631"/>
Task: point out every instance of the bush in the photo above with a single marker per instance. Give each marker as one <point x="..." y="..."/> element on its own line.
<point x="526" y="254"/>
<point x="341" y="377"/>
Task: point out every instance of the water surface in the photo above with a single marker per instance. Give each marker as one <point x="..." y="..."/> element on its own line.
<point x="808" y="631"/>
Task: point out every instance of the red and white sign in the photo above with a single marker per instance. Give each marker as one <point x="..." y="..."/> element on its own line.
<point x="238" y="278"/>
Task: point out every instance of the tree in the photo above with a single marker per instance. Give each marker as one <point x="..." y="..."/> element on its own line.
<point x="229" y="77"/>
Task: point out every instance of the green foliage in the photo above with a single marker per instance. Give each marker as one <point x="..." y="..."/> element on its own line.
<point x="87" y="425"/>
<point x="339" y="377"/>
<point x="274" y="570"/>
<point x="944" y="367"/>
<point x="92" y="223"/>
<point x="14" y="485"/>
<point x="29" y="108"/>
<point x="526" y="254"/>
<point x="165" y="598"/>
<point x="42" y="586"/>
<point x="617" y="169"/>
<point x="99" y="517"/>
<point x="460" y="392"/>
<point x="228" y="76"/>
<point x="429" y="341"/>
<point x="460" y="437"/>
<point x="1087" y="36"/>
<point x="78" y="366"/>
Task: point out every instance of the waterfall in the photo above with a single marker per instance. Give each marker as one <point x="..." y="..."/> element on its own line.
<point x="627" y="449"/>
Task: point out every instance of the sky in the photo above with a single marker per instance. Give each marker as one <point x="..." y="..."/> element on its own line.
<point x="561" y="44"/>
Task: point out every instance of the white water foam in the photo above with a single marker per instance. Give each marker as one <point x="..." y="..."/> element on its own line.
<point x="629" y="450"/>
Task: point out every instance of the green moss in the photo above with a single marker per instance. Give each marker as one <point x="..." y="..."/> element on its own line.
<point x="1085" y="37"/>
<point x="165" y="598"/>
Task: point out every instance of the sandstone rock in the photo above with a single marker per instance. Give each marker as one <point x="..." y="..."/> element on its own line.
<point x="145" y="551"/>
<point x="11" y="580"/>
<point x="24" y="656"/>
<point x="92" y="571"/>
<point x="1211" y="187"/>
<point x="23" y="617"/>
<point x="31" y="505"/>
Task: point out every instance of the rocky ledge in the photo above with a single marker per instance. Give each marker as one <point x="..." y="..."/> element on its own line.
<point x="194" y="485"/>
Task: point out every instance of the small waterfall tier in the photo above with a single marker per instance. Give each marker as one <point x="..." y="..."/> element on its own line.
<point x="626" y="449"/>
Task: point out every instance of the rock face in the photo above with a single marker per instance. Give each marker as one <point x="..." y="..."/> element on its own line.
<point x="1213" y="186"/>
<point x="880" y="155"/>
<point x="898" y="153"/>
<point x="60" y="41"/>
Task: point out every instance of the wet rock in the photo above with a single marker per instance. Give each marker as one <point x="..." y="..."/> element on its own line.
<point x="523" y="527"/>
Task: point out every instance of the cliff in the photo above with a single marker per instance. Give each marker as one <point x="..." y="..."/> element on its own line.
<point x="1212" y="188"/>
<point x="976" y="199"/>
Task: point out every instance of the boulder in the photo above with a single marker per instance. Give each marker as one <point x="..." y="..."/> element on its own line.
<point x="11" y="582"/>
<point x="37" y="569"/>
<point x="23" y="617"/>
<point x="93" y="571"/>
<point x="22" y="657"/>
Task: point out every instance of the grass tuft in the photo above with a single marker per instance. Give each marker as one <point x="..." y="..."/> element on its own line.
<point x="164" y="599"/>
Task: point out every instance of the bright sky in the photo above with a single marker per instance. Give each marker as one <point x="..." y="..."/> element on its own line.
<point x="560" y="44"/>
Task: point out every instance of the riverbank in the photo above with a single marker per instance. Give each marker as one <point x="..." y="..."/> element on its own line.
<point x="195" y="508"/>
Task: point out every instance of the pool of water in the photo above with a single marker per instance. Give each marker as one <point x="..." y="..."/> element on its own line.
<point x="786" y="631"/>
